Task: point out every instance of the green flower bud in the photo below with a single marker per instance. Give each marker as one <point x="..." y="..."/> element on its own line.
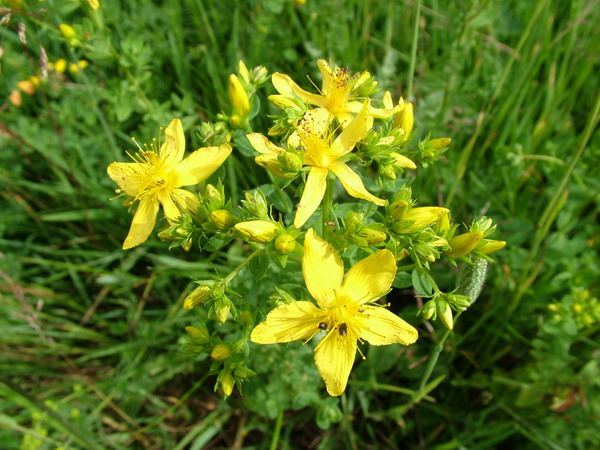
<point x="428" y="310"/>
<point x="354" y="221"/>
<point x="227" y="384"/>
<point x="444" y="312"/>
<point x="197" y="333"/>
<point x="387" y="171"/>
<point x="285" y="243"/>
<point x="214" y="197"/>
<point x="397" y="209"/>
<point x="222" y="219"/>
<point x="488" y="246"/>
<point x="222" y="312"/>
<point x="440" y="143"/>
<point x="220" y="352"/>
<point x="290" y="161"/>
<point x="459" y="301"/>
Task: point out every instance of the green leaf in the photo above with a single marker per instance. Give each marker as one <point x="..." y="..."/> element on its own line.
<point x="421" y="282"/>
<point x="402" y="280"/>
<point x="259" y="266"/>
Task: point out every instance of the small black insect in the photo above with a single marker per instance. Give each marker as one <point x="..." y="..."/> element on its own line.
<point x="322" y="326"/>
<point x="343" y="329"/>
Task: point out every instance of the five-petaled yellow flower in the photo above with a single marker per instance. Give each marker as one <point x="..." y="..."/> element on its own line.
<point x="346" y="311"/>
<point x="337" y="94"/>
<point x="156" y="176"/>
<point x="324" y="156"/>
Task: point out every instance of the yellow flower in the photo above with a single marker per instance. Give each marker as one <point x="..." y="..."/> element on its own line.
<point x="60" y="65"/>
<point x="346" y="311"/>
<point x="67" y="31"/>
<point x="156" y="175"/>
<point x="324" y="156"/>
<point x="337" y="93"/>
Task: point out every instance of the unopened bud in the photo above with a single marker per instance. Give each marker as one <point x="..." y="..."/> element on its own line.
<point x="27" y="87"/>
<point x="222" y="312"/>
<point x="405" y="120"/>
<point x="402" y="162"/>
<point x="397" y="209"/>
<point x="373" y="237"/>
<point x="197" y="333"/>
<point x="428" y="310"/>
<point x="285" y="243"/>
<point x="213" y="195"/>
<point x="444" y="312"/>
<point x="387" y="171"/>
<point x="243" y="72"/>
<point x="220" y="352"/>
<point x="418" y="218"/>
<point x="290" y="161"/>
<point x="15" y="98"/>
<point x="60" y="65"/>
<point x="67" y="31"/>
<point x="227" y="383"/>
<point x="463" y="244"/>
<point x="222" y="219"/>
<point x="196" y="297"/>
<point x="440" y="143"/>
<point x="238" y="96"/>
<point x="261" y="231"/>
<point x="490" y="246"/>
<point x="459" y="301"/>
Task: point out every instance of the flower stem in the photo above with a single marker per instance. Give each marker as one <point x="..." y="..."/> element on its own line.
<point x="327" y="202"/>
<point x="243" y="264"/>
<point x="413" y="53"/>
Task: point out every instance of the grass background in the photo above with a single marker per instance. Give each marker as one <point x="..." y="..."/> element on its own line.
<point x="90" y="335"/>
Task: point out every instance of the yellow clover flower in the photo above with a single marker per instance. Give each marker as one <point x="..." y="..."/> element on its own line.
<point x="337" y="93"/>
<point x="345" y="310"/>
<point x="324" y="156"/>
<point x="156" y="176"/>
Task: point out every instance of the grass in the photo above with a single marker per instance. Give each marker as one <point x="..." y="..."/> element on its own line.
<point x="91" y="335"/>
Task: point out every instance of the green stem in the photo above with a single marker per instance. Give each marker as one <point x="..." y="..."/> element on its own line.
<point x="277" y="431"/>
<point x="327" y="203"/>
<point x="433" y="357"/>
<point x="413" y="53"/>
<point x="243" y="264"/>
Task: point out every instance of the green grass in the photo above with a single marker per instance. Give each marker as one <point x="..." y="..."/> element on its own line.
<point x="91" y="336"/>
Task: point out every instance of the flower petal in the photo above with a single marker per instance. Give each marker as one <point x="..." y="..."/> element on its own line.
<point x="286" y="86"/>
<point x="263" y="145"/>
<point x="323" y="269"/>
<point x="354" y="132"/>
<point x="314" y="190"/>
<point x="142" y="224"/>
<point x="380" y="326"/>
<point x="290" y="322"/>
<point x="334" y="357"/>
<point x="169" y="207"/>
<point x="370" y="278"/>
<point x="316" y="120"/>
<point x="201" y="164"/>
<point x="172" y="149"/>
<point x="131" y="177"/>
<point x="353" y="183"/>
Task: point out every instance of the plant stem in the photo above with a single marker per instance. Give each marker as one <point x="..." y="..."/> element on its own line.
<point x="413" y="53"/>
<point x="327" y="202"/>
<point x="243" y="264"/>
<point x="277" y="431"/>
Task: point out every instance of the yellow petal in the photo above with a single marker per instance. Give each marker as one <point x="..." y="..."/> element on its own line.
<point x="129" y="176"/>
<point x="238" y="96"/>
<point x="314" y="190"/>
<point x="316" y="120"/>
<point x="286" y="323"/>
<point x="172" y="149"/>
<point x="334" y="357"/>
<point x="201" y="164"/>
<point x="354" y="132"/>
<point x="142" y="224"/>
<point x="263" y="145"/>
<point x="323" y="269"/>
<point x="273" y="165"/>
<point x="258" y="230"/>
<point x="371" y="277"/>
<point x="286" y="86"/>
<point x="380" y="326"/>
<point x="283" y="101"/>
<point x="169" y="207"/>
<point x="353" y="183"/>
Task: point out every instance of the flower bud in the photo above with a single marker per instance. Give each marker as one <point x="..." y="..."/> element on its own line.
<point x="285" y="243"/>
<point x="488" y="246"/>
<point x="428" y="310"/>
<point x="227" y="383"/>
<point x="15" y="98"/>
<point x="354" y="220"/>
<point x="67" y="31"/>
<point x="405" y="120"/>
<point x="222" y="219"/>
<point x="444" y="312"/>
<point x="243" y="72"/>
<point x="290" y="161"/>
<point x="402" y="162"/>
<point x="245" y="318"/>
<point x="463" y="244"/>
<point x="440" y="143"/>
<point x="373" y="237"/>
<point x="60" y="65"/>
<point x="197" y="333"/>
<point x="213" y="196"/>
<point x="196" y="297"/>
<point x="94" y="4"/>
<point x="220" y="352"/>
<point x="222" y="312"/>
<point x="418" y="218"/>
<point x="27" y="87"/>
<point x="238" y="96"/>
<point x="273" y="165"/>
<point x="397" y="209"/>
<point x="261" y="231"/>
<point x="459" y="301"/>
<point x="387" y="171"/>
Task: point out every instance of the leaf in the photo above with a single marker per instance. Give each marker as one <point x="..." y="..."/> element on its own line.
<point x="259" y="266"/>
<point x="421" y="283"/>
<point x="402" y="280"/>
